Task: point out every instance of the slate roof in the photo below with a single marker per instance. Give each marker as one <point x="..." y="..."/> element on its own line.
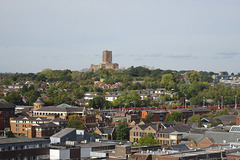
<point x="20" y="118"/>
<point x="5" y="104"/>
<point x="144" y="126"/>
<point x="179" y="147"/>
<point x="227" y="119"/>
<point x="62" y="108"/>
<point x="177" y="128"/>
<point x="106" y="130"/>
<point x="46" y="125"/>
<point x="215" y="137"/>
<point x="64" y="132"/>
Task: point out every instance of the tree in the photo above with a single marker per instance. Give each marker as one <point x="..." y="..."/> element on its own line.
<point x="175" y="116"/>
<point x="75" y="121"/>
<point x="14" y="98"/>
<point x="147" y="141"/>
<point x="10" y="134"/>
<point x="215" y="122"/>
<point x="196" y="118"/>
<point x="149" y="117"/>
<point x="122" y="131"/>
<point x="193" y="76"/>
<point x="99" y="102"/>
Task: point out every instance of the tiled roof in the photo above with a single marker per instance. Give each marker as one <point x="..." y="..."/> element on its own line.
<point x="5" y="104"/>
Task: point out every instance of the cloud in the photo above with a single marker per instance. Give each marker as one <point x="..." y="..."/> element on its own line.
<point x="178" y="56"/>
<point x="153" y="55"/>
<point x="227" y="54"/>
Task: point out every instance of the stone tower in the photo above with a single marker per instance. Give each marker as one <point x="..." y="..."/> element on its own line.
<point x="38" y="104"/>
<point x="107" y="57"/>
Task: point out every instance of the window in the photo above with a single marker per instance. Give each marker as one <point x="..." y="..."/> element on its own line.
<point x="137" y="133"/>
<point x="163" y="136"/>
<point x="133" y="133"/>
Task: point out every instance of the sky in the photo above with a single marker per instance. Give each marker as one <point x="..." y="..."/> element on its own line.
<point x="167" y="34"/>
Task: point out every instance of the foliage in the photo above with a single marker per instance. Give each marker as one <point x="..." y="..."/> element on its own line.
<point x="14" y="97"/>
<point x="215" y="122"/>
<point x="149" y="117"/>
<point x="99" y="102"/>
<point x="10" y="134"/>
<point x="147" y="141"/>
<point x="175" y="116"/>
<point x="122" y="132"/>
<point x="75" y="121"/>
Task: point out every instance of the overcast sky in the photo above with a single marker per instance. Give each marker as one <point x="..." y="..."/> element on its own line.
<point x="166" y="34"/>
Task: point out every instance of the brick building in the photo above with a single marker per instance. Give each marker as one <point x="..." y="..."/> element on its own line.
<point x="7" y="110"/>
<point x="36" y="126"/>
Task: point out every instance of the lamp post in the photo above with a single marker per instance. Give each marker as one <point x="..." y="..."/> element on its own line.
<point x="222" y="100"/>
<point x="203" y="101"/>
<point x="235" y="101"/>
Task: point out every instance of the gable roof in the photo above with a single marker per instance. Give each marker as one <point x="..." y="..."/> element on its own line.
<point x="64" y="132"/>
<point x="177" y="128"/>
<point x="106" y="130"/>
<point x="6" y="104"/>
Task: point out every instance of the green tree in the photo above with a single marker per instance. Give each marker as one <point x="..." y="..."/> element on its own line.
<point x="10" y="134"/>
<point x="147" y="141"/>
<point x="75" y="121"/>
<point x="122" y="132"/>
<point x="149" y="117"/>
<point x="175" y="116"/>
<point x="14" y="98"/>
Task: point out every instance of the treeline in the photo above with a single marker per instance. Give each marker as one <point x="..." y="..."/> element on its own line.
<point x="65" y="86"/>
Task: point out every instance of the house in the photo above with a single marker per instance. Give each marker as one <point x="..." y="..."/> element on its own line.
<point x="142" y="130"/>
<point x="106" y="133"/>
<point x="171" y="135"/>
<point x="159" y="115"/>
<point x="132" y="117"/>
<point x="111" y="97"/>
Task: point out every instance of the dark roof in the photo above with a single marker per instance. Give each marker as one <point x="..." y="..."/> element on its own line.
<point x="64" y="132"/>
<point x="179" y="147"/>
<point x="168" y="130"/>
<point x="144" y="126"/>
<point x="169" y="124"/>
<point x="178" y="128"/>
<point x="227" y="119"/>
<point x="157" y="111"/>
<point x="61" y="109"/>
<point x="20" y="118"/>
<point x="181" y="128"/>
<point x="200" y="110"/>
<point x="5" y="104"/>
<point x="46" y="125"/>
<point x="58" y="120"/>
<point x="106" y="130"/>
<point x="5" y="141"/>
